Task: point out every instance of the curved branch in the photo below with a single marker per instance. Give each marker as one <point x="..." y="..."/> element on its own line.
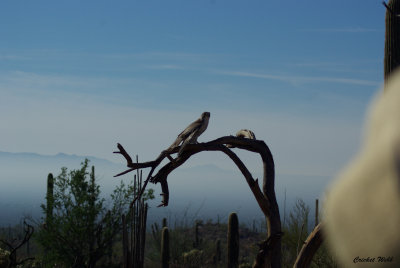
<point x="266" y="201"/>
<point x="218" y="145"/>
<point x="265" y="198"/>
<point x="311" y="245"/>
<point x="253" y="184"/>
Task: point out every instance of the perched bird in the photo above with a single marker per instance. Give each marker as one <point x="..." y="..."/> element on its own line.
<point x="244" y="133"/>
<point x="192" y="132"/>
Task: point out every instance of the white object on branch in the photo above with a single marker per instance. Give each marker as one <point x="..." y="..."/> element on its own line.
<point x="244" y="133"/>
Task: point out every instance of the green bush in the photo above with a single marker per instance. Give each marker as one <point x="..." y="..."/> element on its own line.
<point x="82" y="230"/>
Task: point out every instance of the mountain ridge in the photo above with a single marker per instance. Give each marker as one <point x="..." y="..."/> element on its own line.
<point x="58" y="155"/>
<point x="23" y="180"/>
<point x="61" y="155"/>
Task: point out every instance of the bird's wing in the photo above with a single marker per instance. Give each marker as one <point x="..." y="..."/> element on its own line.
<point x="190" y="129"/>
<point x="186" y="132"/>
<point x="197" y="129"/>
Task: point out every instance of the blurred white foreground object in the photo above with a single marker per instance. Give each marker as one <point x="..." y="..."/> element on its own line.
<point x="362" y="210"/>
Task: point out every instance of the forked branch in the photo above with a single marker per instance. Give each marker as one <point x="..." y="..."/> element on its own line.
<point x="269" y="252"/>
<point x="28" y="232"/>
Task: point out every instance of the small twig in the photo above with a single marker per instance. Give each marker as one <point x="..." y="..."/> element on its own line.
<point x="390" y="10"/>
<point x="129" y="163"/>
<point x="125" y="154"/>
<point x="387" y="7"/>
<point x="124" y="172"/>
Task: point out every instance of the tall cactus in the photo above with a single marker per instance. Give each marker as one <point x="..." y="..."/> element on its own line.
<point x="392" y="37"/>
<point x="92" y="200"/>
<point x="165" y="248"/>
<point x="49" y="199"/>
<point x="233" y="241"/>
<point x="218" y="251"/>
<point x="316" y="213"/>
<point x="92" y="187"/>
<point x="197" y="239"/>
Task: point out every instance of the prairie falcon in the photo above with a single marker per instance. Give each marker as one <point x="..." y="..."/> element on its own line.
<point x="192" y="132"/>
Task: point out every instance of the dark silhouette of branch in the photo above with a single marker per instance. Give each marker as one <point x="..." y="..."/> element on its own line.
<point x="311" y="245"/>
<point x="29" y="230"/>
<point x="265" y="250"/>
<point x="151" y="164"/>
<point x="387" y="7"/>
<point x="266" y="198"/>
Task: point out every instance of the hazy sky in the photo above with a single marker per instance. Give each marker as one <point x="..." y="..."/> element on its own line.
<point x="79" y="76"/>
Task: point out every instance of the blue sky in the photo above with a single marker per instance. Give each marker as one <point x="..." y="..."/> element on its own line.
<point x="79" y="76"/>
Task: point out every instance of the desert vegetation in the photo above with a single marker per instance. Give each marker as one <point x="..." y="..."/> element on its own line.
<point x="78" y="229"/>
<point x="191" y="242"/>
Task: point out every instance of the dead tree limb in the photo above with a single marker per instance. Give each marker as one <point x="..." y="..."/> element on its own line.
<point x="266" y="198"/>
<point x="28" y="232"/>
<point x="264" y="255"/>
<point x="151" y="164"/>
<point x="269" y="254"/>
<point x="311" y="245"/>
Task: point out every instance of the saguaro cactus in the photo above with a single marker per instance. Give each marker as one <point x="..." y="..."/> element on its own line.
<point x="49" y="198"/>
<point x="197" y="239"/>
<point x="316" y="213"/>
<point x="165" y="248"/>
<point x="233" y="241"/>
<point x="92" y="200"/>
<point x="218" y="251"/>
<point x="92" y="187"/>
<point x="392" y="37"/>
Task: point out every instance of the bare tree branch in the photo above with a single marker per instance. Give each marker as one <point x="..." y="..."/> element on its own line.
<point x="191" y="149"/>
<point x="270" y="252"/>
<point x="311" y="245"/>
<point x="29" y="230"/>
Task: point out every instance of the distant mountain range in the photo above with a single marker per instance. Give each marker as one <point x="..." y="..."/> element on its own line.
<point x="6" y="157"/>
<point x="208" y="189"/>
